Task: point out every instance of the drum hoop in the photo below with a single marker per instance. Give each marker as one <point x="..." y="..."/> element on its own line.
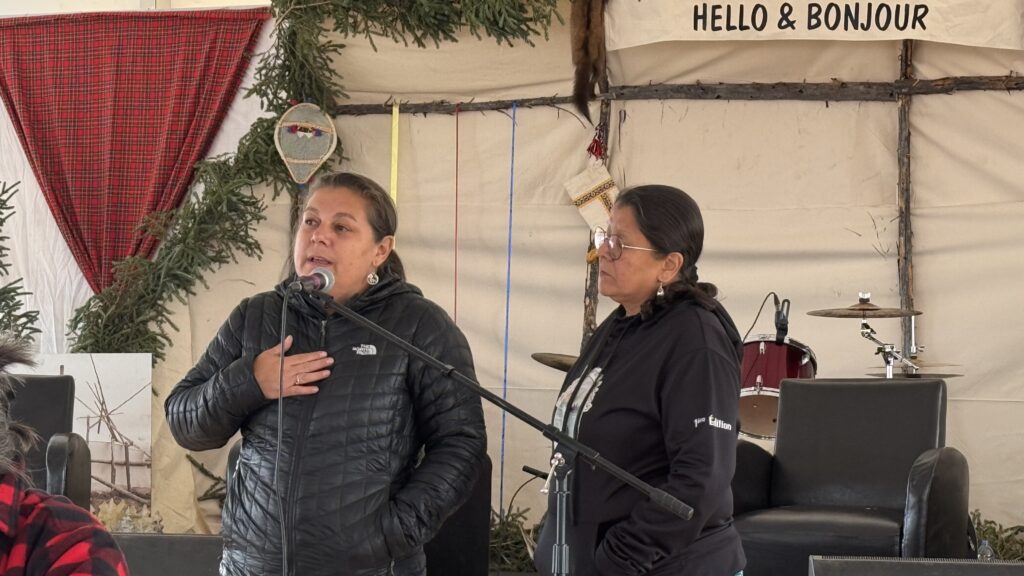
<point x="787" y="340"/>
<point x="753" y="435"/>
<point x="765" y="391"/>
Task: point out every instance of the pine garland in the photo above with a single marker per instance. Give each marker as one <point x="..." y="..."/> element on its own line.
<point x="219" y="217"/>
<point x="14" y="319"/>
<point x="216" y="222"/>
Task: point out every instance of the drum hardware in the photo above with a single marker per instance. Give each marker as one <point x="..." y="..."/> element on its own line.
<point x="926" y="364"/>
<point x="889" y="353"/>
<point x="916" y="375"/>
<point x="864" y="309"/>
<point x="915" y="348"/>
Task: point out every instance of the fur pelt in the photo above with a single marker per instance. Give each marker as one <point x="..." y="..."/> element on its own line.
<point x="586" y="27"/>
<point x="15" y="438"/>
<point x="12" y="352"/>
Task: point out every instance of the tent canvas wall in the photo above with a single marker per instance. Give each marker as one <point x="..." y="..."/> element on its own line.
<point x="798" y="197"/>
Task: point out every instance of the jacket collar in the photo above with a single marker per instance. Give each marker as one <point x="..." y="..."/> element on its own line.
<point x="313" y="304"/>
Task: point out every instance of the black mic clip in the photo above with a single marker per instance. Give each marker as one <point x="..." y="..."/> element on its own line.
<point x="781" y="320"/>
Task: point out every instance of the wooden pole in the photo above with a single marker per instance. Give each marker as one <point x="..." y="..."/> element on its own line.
<point x="122" y="491"/>
<point x="836" y="91"/>
<point x="590" y="294"/>
<point x="113" y="461"/>
<point x="127" y="467"/>
<point x="904" y="243"/>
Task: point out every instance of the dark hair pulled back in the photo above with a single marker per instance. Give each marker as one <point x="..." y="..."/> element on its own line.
<point x="380" y="213"/>
<point x="671" y="221"/>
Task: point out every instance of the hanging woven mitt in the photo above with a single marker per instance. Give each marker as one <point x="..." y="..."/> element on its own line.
<point x="305" y="138"/>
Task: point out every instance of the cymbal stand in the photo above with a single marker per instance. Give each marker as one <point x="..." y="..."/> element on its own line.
<point x="888" y="351"/>
<point x="915" y="348"/>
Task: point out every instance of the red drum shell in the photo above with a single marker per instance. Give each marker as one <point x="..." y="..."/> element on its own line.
<point x="765" y="364"/>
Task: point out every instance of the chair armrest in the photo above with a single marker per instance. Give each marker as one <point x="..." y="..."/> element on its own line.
<point x="936" y="519"/>
<point x="751" y="484"/>
<point x="69" y="468"/>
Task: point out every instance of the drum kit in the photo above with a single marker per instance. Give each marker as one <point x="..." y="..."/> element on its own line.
<point x="770" y="358"/>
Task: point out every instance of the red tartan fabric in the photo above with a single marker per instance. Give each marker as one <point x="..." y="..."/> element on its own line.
<point x="43" y="535"/>
<point x="114" y="109"/>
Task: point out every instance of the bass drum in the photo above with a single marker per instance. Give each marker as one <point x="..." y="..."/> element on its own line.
<point x="765" y="364"/>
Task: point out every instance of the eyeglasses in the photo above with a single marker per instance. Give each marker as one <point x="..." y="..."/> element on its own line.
<point x="615" y="244"/>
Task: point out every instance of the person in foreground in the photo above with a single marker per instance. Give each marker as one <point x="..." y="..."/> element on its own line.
<point x="40" y="534"/>
<point x="655" y="391"/>
<point x="376" y="448"/>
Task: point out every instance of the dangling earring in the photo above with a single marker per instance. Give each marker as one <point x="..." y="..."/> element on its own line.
<point x="372" y="278"/>
<point x="661" y="290"/>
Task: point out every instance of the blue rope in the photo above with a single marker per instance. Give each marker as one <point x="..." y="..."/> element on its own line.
<point x="508" y="299"/>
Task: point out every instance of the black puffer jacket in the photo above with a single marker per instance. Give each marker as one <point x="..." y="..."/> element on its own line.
<point x="355" y="501"/>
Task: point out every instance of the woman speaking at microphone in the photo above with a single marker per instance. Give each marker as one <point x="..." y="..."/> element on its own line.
<point x="655" y="391"/>
<point x="376" y="449"/>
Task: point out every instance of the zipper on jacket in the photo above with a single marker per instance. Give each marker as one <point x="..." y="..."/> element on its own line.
<point x="300" y="436"/>
<point x="298" y="444"/>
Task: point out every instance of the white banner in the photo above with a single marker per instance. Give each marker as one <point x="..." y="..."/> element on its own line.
<point x="990" y="23"/>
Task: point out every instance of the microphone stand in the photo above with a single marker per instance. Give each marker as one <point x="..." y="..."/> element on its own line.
<point x="561" y="462"/>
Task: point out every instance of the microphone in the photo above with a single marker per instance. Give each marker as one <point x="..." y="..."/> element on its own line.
<point x="781" y="320"/>
<point x="320" y="280"/>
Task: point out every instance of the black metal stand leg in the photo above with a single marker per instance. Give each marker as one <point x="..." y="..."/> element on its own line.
<point x="560" y="471"/>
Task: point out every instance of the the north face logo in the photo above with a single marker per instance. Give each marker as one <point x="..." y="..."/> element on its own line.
<point x="365" y="350"/>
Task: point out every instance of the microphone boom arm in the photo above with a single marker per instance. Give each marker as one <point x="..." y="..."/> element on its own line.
<point x="567" y="443"/>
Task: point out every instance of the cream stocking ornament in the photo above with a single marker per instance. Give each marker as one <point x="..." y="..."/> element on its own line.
<point x="593" y="192"/>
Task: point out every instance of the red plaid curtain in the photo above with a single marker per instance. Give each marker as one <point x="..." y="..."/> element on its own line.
<point x="114" y="109"/>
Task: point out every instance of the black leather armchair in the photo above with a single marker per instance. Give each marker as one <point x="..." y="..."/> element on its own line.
<point x="860" y="469"/>
<point x="61" y="462"/>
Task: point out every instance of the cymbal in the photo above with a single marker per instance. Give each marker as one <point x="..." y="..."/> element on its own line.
<point x="561" y="362"/>
<point x="897" y="374"/>
<point x="864" y="310"/>
<point x="921" y="363"/>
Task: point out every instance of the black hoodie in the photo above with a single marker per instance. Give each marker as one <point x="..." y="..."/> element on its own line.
<point x="659" y="399"/>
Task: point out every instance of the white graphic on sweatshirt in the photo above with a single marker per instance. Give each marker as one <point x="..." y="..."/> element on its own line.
<point x="581" y="392"/>
<point x="712" y="420"/>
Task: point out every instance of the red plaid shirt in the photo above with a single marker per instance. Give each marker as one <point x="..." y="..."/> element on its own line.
<point x="44" y="535"/>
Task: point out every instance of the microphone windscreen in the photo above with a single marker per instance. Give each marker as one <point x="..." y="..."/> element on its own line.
<point x="327" y="278"/>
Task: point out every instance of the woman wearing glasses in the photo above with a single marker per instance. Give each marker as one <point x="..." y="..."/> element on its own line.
<point x="655" y="391"/>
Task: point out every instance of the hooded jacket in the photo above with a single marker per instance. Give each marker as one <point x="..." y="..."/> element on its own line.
<point x="658" y="396"/>
<point x="356" y="494"/>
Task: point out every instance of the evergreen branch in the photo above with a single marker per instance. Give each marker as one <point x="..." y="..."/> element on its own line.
<point x="14" y="319"/>
<point x="216" y="222"/>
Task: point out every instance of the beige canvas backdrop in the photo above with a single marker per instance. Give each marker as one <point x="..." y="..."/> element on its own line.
<point x="799" y="198"/>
